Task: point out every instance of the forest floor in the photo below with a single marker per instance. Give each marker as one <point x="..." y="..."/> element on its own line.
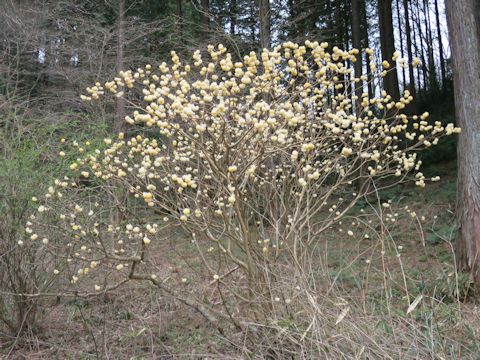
<point x="138" y="322"/>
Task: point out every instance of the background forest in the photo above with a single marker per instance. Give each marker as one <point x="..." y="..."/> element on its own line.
<point x="372" y="267"/>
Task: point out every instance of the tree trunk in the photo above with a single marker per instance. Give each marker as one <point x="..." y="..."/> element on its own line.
<point x="423" y="64"/>
<point x="387" y="42"/>
<point x="400" y="33"/>
<point x="440" y="44"/>
<point x="415" y="45"/>
<point x="233" y="16"/>
<point x="362" y="183"/>
<point x="253" y="24"/>
<point x="340" y="28"/>
<point x="180" y="23"/>
<point x="410" y="54"/>
<point x="363" y="10"/>
<point x="205" y="19"/>
<point x="464" y="28"/>
<point x="264" y="14"/>
<point x="120" y="101"/>
<point x="431" y="61"/>
<point x="347" y="25"/>
<point x="357" y="44"/>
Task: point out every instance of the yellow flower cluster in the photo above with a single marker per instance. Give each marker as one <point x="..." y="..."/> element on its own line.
<point x="231" y="137"/>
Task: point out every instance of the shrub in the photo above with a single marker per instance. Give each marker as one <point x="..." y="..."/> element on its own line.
<point x="252" y="162"/>
<point x="27" y="162"/>
<point x="22" y="276"/>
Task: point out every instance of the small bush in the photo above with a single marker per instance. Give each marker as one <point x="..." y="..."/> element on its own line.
<point x="28" y="160"/>
<point x="251" y="164"/>
<point x="22" y="277"/>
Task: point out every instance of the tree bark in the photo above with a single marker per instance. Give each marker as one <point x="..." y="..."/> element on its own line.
<point x="180" y="22"/>
<point x="410" y="53"/>
<point x="120" y="101"/>
<point x="253" y="24"/>
<point x="233" y="16"/>
<point x="387" y="42"/>
<point x="264" y="14"/>
<point x="205" y="19"/>
<point x="362" y="183"/>
<point x="464" y="28"/>
<point x="357" y="44"/>
<point x="423" y="63"/>
<point x="415" y="45"/>
<point x="340" y="30"/>
<point x="363" y="11"/>
<point x="432" y="75"/>
<point x="400" y="33"/>
<point x="440" y="44"/>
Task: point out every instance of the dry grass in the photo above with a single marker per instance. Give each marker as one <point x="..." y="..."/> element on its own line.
<point x="137" y="321"/>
